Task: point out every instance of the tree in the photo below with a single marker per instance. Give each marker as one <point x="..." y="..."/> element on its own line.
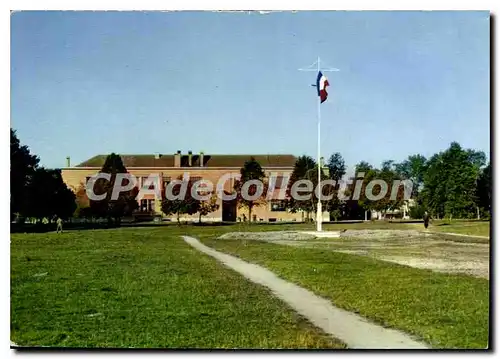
<point x="22" y="167"/>
<point x="251" y="170"/>
<point x="363" y="167"/>
<point x="336" y="167"/>
<point x="49" y="196"/>
<point x="389" y="175"/>
<point x="413" y="169"/>
<point x="336" y="170"/>
<point x="126" y="202"/>
<point x="83" y="209"/>
<point x="370" y="174"/>
<point x="483" y="192"/>
<point x="478" y="160"/>
<point x="208" y="206"/>
<point x="303" y="168"/>
<point x="450" y="182"/>
<point x="186" y="205"/>
<point x="434" y="191"/>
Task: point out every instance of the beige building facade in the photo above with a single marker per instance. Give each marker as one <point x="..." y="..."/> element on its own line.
<point x="199" y="166"/>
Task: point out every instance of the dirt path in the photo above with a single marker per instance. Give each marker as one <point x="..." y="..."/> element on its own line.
<point x="352" y="329"/>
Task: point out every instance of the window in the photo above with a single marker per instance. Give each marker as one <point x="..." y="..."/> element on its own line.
<point x="147" y="205"/>
<point x="151" y="180"/>
<point x="278" y="206"/>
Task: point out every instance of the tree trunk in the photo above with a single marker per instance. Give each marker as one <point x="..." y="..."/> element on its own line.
<point x="366" y="215"/>
<point x="250" y="214"/>
<point x="178" y="218"/>
<point x="478" y="215"/>
<point x="200" y="218"/>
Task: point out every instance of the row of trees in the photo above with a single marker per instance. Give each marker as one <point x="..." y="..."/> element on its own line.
<point x="189" y="204"/>
<point x="36" y="192"/>
<point x="455" y="183"/>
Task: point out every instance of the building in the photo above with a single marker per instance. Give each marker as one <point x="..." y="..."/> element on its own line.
<point x="399" y="213"/>
<point x="199" y="166"/>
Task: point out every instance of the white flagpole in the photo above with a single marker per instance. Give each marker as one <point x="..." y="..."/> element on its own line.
<point x="319" y="217"/>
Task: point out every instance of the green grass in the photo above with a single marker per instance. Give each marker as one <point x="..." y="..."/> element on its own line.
<point x="262" y="227"/>
<point x="446" y="311"/>
<point x="478" y="228"/>
<point x="141" y="288"/>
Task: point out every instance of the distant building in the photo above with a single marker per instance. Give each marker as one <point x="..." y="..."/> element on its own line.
<point x="199" y="166"/>
<point x="400" y="213"/>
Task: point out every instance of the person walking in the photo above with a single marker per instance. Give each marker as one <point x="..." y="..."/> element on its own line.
<point x="59" y="224"/>
<point x="426" y="219"/>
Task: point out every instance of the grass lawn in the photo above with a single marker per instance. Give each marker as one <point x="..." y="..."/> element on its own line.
<point x="478" y="228"/>
<point x="446" y="311"/>
<point x="143" y="288"/>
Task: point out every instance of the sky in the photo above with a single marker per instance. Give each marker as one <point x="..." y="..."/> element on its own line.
<point x="88" y="83"/>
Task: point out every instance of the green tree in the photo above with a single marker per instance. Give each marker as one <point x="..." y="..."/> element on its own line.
<point x="336" y="167"/>
<point x="413" y="169"/>
<point x="186" y="204"/>
<point x="49" y="196"/>
<point x="390" y="176"/>
<point x="208" y="206"/>
<point x="450" y="182"/>
<point x="125" y="204"/>
<point x="434" y="191"/>
<point x="304" y="169"/>
<point x="22" y="168"/>
<point x="363" y="167"/>
<point x="251" y="170"/>
<point x="369" y="173"/>
<point x="336" y="170"/>
<point x="483" y="192"/>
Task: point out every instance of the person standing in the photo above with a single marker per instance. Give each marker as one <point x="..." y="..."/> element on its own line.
<point x="426" y="219"/>
<point x="59" y="224"/>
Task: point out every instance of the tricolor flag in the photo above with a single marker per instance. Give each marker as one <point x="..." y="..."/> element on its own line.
<point x="321" y="84"/>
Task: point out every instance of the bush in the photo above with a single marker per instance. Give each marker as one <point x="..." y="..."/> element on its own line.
<point x="417" y="212"/>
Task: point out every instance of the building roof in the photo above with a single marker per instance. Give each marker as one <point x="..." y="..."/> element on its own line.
<point x="131" y="161"/>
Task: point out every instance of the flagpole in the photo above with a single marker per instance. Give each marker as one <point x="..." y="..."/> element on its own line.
<point x="319" y="216"/>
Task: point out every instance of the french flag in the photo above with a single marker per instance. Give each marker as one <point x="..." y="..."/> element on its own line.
<point x="321" y="84"/>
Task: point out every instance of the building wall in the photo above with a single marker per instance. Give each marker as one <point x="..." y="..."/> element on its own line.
<point x="76" y="177"/>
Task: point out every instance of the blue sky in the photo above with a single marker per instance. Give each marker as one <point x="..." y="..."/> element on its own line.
<point x="87" y="83"/>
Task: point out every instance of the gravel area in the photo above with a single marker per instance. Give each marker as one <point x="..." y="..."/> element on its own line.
<point x="268" y="236"/>
<point x="420" y="249"/>
<point x="383" y="234"/>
